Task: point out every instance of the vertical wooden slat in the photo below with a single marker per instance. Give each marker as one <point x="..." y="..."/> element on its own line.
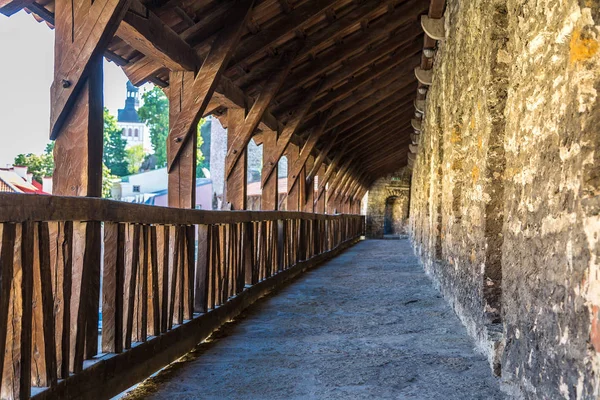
<point x="190" y="246"/>
<point x="49" y="331"/>
<point x="27" y="255"/>
<point x="164" y="277"/>
<point x="248" y="253"/>
<point x="132" y="284"/>
<point x="112" y="287"/>
<point x="173" y="279"/>
<point x="91" y="274"/>
<point x="181" y="275"/>
<point x="202" y="266"/>
<point x="153" y="282"/>
<point x="143" y="299"/>
<point x="6" y="283"/>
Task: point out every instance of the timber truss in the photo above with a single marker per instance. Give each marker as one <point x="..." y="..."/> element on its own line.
<point x="338" y="86"/>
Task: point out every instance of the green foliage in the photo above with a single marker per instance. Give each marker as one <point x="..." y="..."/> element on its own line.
<point x="155" y="113"/>
<point x="199" y="155"/>
<point x="107" y="182"/>
<point x="39" y="165"/>
<point x="135" y="158"/>
<point x="115" y="155"/>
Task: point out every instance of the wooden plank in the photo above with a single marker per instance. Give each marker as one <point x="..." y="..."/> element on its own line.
<point x="11" y="378"/>
<point x="153" y="285"/>
<point x="404" y="14"/>
<point x="89" y="40"/>
<point x="7" y="252"/>
<point x="49" y="331"/>
<point x="131" y="282"/>
<point x="246" y="130"/>
<point x="112" y="288"/>
<point x="202" y="270"/>
<point x="207" y="78"/>
<point x="27" y="261"/>
<point x="301" y="16"/>
<point x="17" y="208"/>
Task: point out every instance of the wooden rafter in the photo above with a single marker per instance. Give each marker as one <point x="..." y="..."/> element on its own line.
<point x="206" y="80"/>
<point x="290" y="129"/>
<point x="307" y="149"/>
<point x="255" y="114"/>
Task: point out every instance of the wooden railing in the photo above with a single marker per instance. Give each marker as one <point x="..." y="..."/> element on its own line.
<point x="163" y="279"/>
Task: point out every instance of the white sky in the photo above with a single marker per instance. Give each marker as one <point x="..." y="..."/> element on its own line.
<point x="26" y="70"/>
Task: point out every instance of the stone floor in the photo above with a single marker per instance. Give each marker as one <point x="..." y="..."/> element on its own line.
<point x="366" y="325"/>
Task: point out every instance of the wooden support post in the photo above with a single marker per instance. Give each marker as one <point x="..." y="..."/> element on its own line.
<point x="320" y="201"/>
<point x="182" y="177"/>
<point x="309" y="189"/>
<point x="77" y="126"/>
<point x="207" y="78"/>
<point x="270" y="195"/>
<point x="293" y="196"/>
<point x="235" y="191"/>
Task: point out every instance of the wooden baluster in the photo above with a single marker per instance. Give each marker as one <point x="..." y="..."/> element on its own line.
<point x="202" y="269"/>
<point x="143" y="286"/>
<point x="131" y="283"/>
<point x="112" y="287"/>
<point x="7" y="267"/>
<point x="153" y="286"/>
<point x="174" y="267"/>
<point x="163" y="237"/>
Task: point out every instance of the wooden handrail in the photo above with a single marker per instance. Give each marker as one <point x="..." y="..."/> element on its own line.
<point x="16" y="207"/>
<point x="167" y="278"/>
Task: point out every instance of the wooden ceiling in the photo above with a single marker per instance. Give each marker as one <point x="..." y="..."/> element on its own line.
<point x="349" y="66"/>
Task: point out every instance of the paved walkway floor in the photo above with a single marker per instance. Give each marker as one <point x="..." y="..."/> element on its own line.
<point x="366" y="325"/>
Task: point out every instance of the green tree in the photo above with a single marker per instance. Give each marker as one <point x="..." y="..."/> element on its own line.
<point x="39" y="165"/>
<point x="135" y="158"/>
<point x="155" y="113"/>
<point x="115" y="155"/>
<point x="107" y="182"/>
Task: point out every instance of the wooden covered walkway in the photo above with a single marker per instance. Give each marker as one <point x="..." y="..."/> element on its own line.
<point x="338" y="86"/>
<point x="365" y="325"/>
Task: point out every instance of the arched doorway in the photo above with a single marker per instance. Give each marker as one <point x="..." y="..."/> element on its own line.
<point x="388" y="216"/>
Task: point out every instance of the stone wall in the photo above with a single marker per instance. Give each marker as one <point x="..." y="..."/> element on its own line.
<point x="393" y="190"/>
<point x="504" y="196"/>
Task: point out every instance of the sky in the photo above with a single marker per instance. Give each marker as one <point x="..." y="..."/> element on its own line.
<point x="26" y="70"/>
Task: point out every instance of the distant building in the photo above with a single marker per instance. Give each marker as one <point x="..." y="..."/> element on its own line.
<point x="17" y="180"/>
<point x="151" y="187"/>
<point x="135" y="131"/>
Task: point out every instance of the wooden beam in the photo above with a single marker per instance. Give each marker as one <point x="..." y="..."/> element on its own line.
<point x="320" y="159"/>
<point x="407" y="12"/>
<point x="366" y="83"/>
<point x="292" y="153"/>
<point x="330" y="171"/>
<point x="147" y="33"/>
<point x="207" y="78"/>
<point x="236" y="190"/>
<point x="297" y="19"/>
<point x="308" y="147"/>
<point x="396" y="89"/>
<point x="256" y="112"/>
<point x="9" y="7"/>
<point x="288" y="132"/>
<point x="182" y="178"/>
<point x="89" y="40"/>
<point x="270" y="195"/>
